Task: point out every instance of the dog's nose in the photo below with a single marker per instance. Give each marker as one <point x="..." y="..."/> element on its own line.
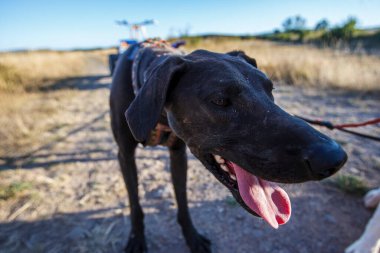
<point x="325" y="159"/>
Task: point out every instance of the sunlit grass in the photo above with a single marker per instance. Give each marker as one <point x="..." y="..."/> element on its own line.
<point x="304" y="65"/>
<point x="23" y="71"/>
<point x="24" y="110"/>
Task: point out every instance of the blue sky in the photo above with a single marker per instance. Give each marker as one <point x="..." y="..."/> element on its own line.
<point x="33" y="24"/>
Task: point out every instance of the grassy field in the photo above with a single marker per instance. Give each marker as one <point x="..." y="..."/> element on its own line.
<point x="29" y="110"/>
<point x="303" y="65"/>
<point x="27" y="71"/>
<point x="367" y="36"/>
<point x="25" y="78"/>
<point x="290" y="64"/>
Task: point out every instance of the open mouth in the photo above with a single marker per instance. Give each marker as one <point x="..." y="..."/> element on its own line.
<point x="261" y="197"/>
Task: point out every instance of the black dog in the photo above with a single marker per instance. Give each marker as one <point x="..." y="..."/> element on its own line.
<point x="220" y="106"/>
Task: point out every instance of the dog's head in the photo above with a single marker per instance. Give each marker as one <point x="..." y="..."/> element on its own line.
<point x="222" y="106"/>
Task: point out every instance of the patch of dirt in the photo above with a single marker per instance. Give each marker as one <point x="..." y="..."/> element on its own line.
<point x="76" y="200"/>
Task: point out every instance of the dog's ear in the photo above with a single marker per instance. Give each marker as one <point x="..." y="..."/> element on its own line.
<point x="145" y="110"/>
<point x="242" y="55"/>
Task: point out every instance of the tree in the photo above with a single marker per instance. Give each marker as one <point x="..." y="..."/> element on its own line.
<point x="322" y="25"/>
<point x="294" y="24"/>
<point x="349" y="27"/>
<point x="342" y="33"/>
<point x="299" y="23"/>
<point x="287" y="24"/>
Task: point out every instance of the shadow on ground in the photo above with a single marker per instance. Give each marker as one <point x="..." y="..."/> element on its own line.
<point x="78" y="83"/>
<point x="106" y="229"/>
<point x="30" y="160"/>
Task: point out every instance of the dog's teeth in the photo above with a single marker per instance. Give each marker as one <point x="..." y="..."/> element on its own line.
<point x="233" y="177"/>
<point x="224" y="167"/>
<point x="219" y="159"/>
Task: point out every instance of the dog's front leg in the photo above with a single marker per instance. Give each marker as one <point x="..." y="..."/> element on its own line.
<point x="178" y="162"/>
<point x="136" y="241"/>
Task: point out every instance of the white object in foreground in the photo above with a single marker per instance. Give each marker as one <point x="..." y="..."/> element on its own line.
<point x="369" y="242"/>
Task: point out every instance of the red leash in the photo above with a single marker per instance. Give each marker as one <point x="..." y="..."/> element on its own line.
<point x="366" y="123"/>
<point x="342" y="127"/>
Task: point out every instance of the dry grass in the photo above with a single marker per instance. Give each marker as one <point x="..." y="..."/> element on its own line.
<point x="25" y="71"/>
<point x="29" y="118"/>
<point x="304" y="65"/>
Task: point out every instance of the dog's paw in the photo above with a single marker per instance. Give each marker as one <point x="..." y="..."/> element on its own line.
<point x="136" y="245"/>
<point x="199" y="244"/>
<point x="362" y="246"/>
<point x="372" y="198"/>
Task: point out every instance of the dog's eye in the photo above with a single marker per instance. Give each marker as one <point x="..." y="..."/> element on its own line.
<point x="220" y="101"/>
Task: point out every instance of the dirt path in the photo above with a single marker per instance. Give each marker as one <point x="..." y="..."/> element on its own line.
<point x="76" y="201"/>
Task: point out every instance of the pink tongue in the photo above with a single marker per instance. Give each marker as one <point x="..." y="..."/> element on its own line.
<point x="266" y="199"/>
